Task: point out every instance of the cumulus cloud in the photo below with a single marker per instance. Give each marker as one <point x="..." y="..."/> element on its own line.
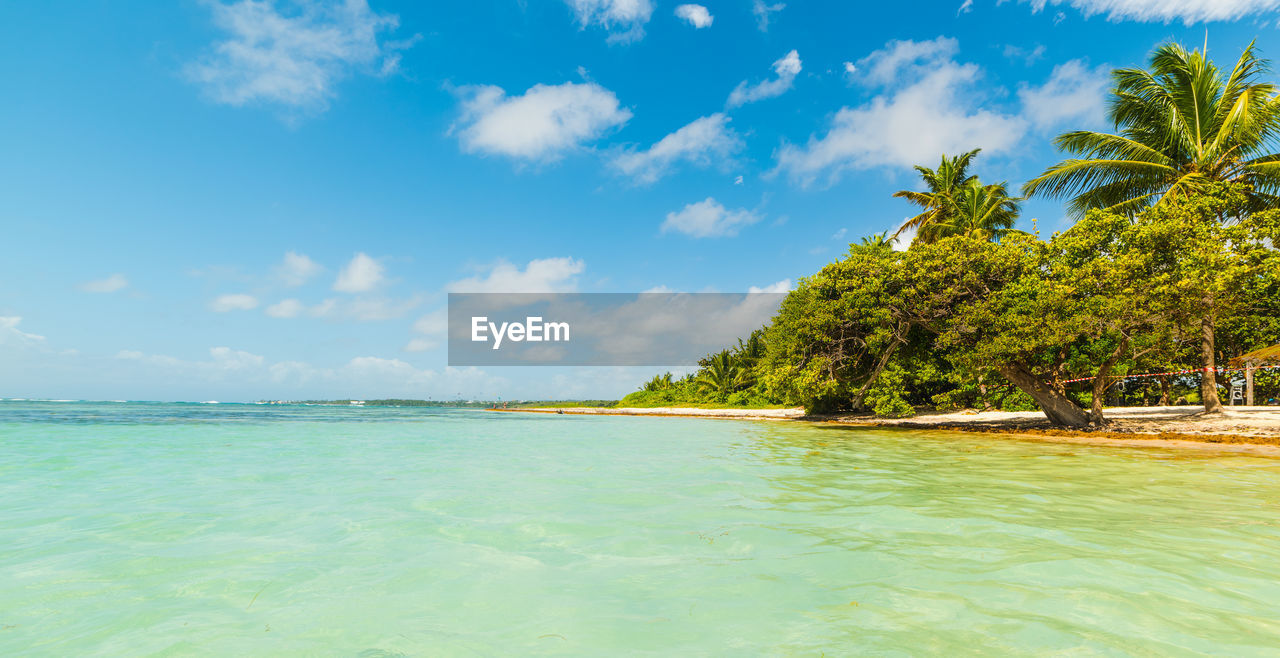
<point x="285" y="308"/>
<point x="708" y="219"/>
<point x="1074" y="93"/>
<point x="781" y="286"/>
<point x="110" y="284"/>
<point x="786" y="69"/>
<point x="763" y="12"/>
<point x="538" y="276"/>
<point x="624" y="18"/>
<point x="297" y="269"/>
<point x="696" y="15"/>
<point x="539" y="125"/>
<point x="925" y="106"/>
<point x="703" y="142"/>
<point x="294" y="57"/>
<point x="1164" y="11"/>
<point x="229" y="359"/>
<point x="362" y="274"/>
<point x="431" y="330"/>
<point x="233" y="302"/>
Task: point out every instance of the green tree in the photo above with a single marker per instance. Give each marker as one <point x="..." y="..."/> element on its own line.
<point x="879" y="240"/>
<point x="1180" y="127"/>
<point x="1118" y="319"/>
<point x="658" y="383"/>
<point x="721" y="376"/>
<point x="837" y="332"/>
<point x="995" y="311"/>
<point x="985" y="212"/>
<point x="1202" y="272"/>
<point x="941" y="184"/>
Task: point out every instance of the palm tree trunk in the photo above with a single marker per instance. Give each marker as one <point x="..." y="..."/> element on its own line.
<point x="1058" y="408"/>
<point x="1209" y="378"/>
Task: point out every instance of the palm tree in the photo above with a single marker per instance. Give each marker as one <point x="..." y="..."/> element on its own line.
<point x="951" y="175"/>
<point x="722" y="375"/>
<point x="985" y="212"/>
<point x="658" y="383"/>
<point x="1180" y="127"/>
<point x="875" y="241"/>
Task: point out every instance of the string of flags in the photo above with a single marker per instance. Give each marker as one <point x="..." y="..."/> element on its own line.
<point x="1173" y="372"/>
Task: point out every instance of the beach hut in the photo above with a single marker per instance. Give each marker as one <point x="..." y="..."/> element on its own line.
<point x="1267" y="356"/>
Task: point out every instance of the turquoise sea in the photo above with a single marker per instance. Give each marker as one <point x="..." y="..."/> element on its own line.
<point x="233" y="530"/>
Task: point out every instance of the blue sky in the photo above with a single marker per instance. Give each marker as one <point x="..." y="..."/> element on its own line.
<point x="245" y="200"/>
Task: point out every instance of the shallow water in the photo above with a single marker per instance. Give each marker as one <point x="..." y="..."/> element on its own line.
<point x="181" y="529"/>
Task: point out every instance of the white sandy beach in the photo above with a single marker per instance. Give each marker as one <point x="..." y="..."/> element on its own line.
<point x="1254" y="430"/>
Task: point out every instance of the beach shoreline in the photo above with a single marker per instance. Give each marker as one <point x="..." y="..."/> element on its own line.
<point x="1253" y="430"/>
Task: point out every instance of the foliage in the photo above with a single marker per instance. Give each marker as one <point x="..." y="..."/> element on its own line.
<point x="1180" y="127"/>
<point x="941" y="185"/>
<point x="1171" y="266"/>
<point x="983" y="212"/>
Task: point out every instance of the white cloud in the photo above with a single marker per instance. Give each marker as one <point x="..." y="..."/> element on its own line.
<point x="786" y="69"/>
<point x="708" y="219"/>
<point x="364" y="376"/>
<point x="763" y="12"/>
<point x="781" y="286"/>
<point x="295" y="57"/>
<point x="364" y="309"/>
<point x="1187" y="11"/>
<point x="433" y="328"/>
<point x="1028" y="57"/>
<point x="229" y="359"/>
<point x="927" y="107"/>
<point x="1073" y="93"/>
<point x="697" y="15"/>
<point x="433" y="323"/>
<point x="221" y="359"/>
<point x="965" y="7"/>
<point x="626" y="18"/>
<point x="233" y="302"/>
<point x="421" y="345"/>
<point x="297" y="269"/>
<point x="540" y="275"/>
<point x="539" y="125"/>
<point x="360" y="275"/>
<point x="905" y="238"/>
<point x="885" y="66"/>
<point x="9" y="331"/>
<point x="701" y="142"/>
<point x="285" y="308"/>
<point x="110" y="284"/>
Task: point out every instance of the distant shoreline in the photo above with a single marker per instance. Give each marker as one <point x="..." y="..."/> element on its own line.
<point x="1253" y="430"/>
